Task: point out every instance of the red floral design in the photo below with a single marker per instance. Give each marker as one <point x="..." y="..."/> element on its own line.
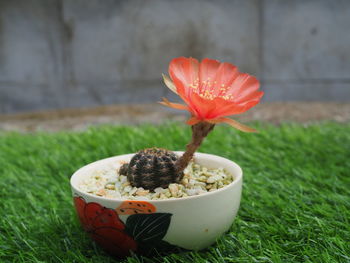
<point x="105" y="227"/>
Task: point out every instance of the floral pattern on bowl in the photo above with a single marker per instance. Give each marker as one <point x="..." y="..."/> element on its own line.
<point x="142" y="233"/>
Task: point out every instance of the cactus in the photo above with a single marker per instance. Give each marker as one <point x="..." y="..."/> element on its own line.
<point x="151" y="168"/>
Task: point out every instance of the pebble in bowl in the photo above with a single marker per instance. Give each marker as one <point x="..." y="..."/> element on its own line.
<point x="145" y="226"/>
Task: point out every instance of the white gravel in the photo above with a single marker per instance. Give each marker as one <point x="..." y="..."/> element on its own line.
<point x="197" y="180"/>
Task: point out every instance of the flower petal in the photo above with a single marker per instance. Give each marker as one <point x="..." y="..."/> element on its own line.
<point x="177" y="106"/>
<point x="132" y="207"/>
<point x="114" y="241"/>
<point x="227" y="108"/>
<point x="91" y="211"/>
<point x="202" y="108"/>
<point x="208" y="69"/>
<point x="233" y="123"/>
<point x="108" y="218"/>
<point x="224" y="77"/>
<point x="243" y="87"/>
<point x="192" y="121"/>
<point x="256" y="95"/>
<point x="184" y="72"/>
<point x="169" y="83"/>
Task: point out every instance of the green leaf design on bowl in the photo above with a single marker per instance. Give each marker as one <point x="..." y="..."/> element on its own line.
<point x="148" y="227"/>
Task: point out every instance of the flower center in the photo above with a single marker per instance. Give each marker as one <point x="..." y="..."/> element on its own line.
<point x="208" y="89"/>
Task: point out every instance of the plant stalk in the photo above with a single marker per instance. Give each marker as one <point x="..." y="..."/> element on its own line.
<point x="199" y="132"/>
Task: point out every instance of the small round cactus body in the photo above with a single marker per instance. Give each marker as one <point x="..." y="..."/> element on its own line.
<point x="152" y="168"/>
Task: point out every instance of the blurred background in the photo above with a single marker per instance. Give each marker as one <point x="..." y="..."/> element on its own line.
<point x="58" y="54"/>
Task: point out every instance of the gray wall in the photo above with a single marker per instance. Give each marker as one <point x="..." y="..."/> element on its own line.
<point x="73" y="53"/>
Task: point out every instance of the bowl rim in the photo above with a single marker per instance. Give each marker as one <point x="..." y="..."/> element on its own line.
<point x="238" y="178"/>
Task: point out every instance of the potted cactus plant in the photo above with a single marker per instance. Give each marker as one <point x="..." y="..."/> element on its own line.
<point x="160" y="200"/>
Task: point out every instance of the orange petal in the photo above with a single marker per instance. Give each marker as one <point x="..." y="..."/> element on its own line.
<point x="243" y="87"/>
<point x="201" y="107"/>
<point x="184" y="72"/>
<point x="256" y="95"/>
<point x="169" y="83"/>
<point x="192" y="121"/>
<point x="135" y="207"/>
<point x="234" y="124"/>
<point x="208" y="68"/>
<point x="224" y="77"/>
<point x="177" y="106"/>
<point x="227" y="108"/>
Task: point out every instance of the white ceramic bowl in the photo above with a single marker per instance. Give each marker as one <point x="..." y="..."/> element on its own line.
<point x="192" y="223"/>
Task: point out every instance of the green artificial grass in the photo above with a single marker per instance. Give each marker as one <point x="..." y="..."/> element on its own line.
<point x="295" y="205"/>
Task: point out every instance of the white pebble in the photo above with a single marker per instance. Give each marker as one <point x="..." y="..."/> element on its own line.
<point x="174" y="189"/>
<point x="159" y="190"/>
<point x="196" y="180"/>
<point x="211" y="180"/>
<point x="133" y="191"/>
<point x="192" y="182"/>
<point x="191" y="192"/>
<point x="127" y="189"/>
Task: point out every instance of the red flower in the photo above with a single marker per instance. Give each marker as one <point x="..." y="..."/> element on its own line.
<point x="105" y="227"/>
<point x="212" y="90"/>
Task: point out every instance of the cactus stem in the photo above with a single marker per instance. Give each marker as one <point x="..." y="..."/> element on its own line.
<point x="199" y="132"/>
